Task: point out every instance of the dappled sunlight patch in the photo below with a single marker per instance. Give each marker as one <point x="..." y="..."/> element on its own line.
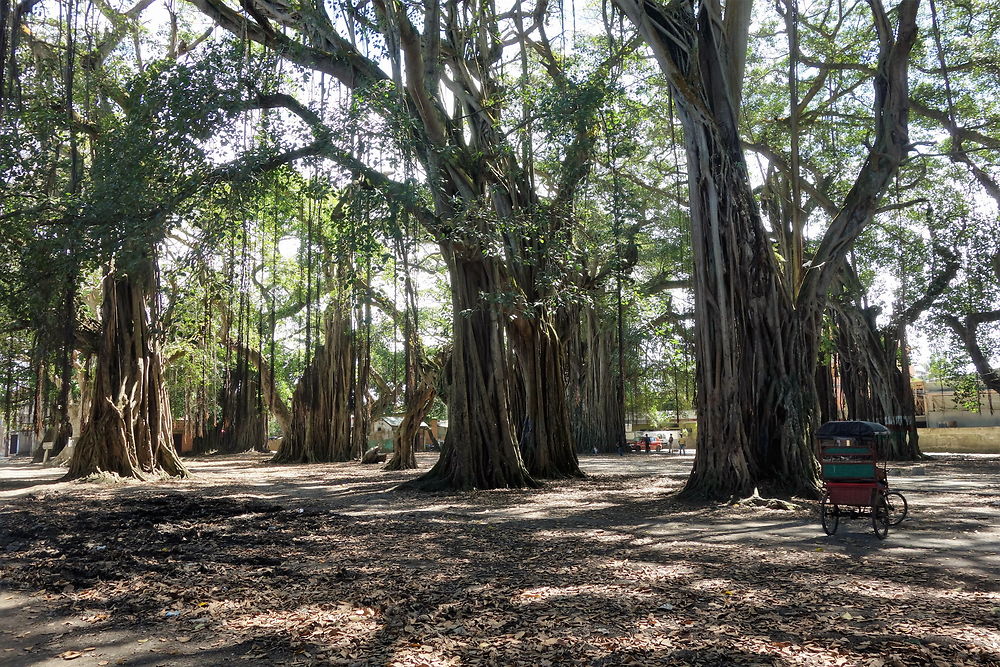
<point x="564" y="593"/>
<point x="608" y="570"/>
<point x="313" y="623"/>
<point x="432" y="654"/>
<point x="666" y="574"/>
<point x="714" y="586"/>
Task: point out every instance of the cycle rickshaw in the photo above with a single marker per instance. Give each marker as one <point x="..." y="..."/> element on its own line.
<point x="854" y="476"/>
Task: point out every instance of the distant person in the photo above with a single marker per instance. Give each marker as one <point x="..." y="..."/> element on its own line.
<point x="621" y="448"/>
<point x="670" y="443"/>
<point x="682" y="444"/>
<point x="646" y="442"/>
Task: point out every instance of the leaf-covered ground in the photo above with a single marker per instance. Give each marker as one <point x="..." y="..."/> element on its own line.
<point x="258" y="564"/>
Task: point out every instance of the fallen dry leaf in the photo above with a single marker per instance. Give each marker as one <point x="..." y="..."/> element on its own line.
<point x="576" y="573"/>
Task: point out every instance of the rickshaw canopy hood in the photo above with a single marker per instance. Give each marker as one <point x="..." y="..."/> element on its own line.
<point x="851" y="429"/>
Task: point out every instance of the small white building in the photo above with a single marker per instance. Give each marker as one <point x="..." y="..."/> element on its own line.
<point x="19" y="443"/>
<point x="383" y="432"/>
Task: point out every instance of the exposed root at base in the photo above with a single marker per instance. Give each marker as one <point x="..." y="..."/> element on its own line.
<point x="770" y="503"/>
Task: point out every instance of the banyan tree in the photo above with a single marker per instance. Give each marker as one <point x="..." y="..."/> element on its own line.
<point x="757" y="322"/>
<point x="438" y="92"/>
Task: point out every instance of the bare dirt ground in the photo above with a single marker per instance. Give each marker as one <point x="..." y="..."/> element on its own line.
<point x="257" y="564"/>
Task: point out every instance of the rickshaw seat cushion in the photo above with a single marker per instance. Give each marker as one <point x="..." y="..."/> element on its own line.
<point x="848" y="471"/>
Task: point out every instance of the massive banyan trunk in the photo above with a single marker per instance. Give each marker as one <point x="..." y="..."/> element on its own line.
<point x="441" y="83"/>
<point x="544" y="437"/>
<point x="755" y="354"/>
<point x="480" y="450"/>
<point x="537" y="382"/>
<point x="593" y="389"/>
<point x="129" y="428"/>
<point x="321" y="428"/>
<point x="757" y="334"/>
<point x="875" y="378"/>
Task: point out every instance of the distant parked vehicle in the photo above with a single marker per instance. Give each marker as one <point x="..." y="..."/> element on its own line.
<point x="656" y="442"/>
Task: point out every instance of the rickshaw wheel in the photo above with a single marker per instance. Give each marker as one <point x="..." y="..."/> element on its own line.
<point x="880" y="516"/>
<point x="829" y="515"/>
<point x="897" y="507"/>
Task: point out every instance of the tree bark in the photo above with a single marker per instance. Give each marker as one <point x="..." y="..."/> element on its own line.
<point x="480" y="450"/>
<point x="320" y="429"/>
<point x="545" y="437"/>
<point x="757" y="334"/>
<point x="241" y="425"/>
<point x="596" y="406"/>
<point x="129" y="429"/>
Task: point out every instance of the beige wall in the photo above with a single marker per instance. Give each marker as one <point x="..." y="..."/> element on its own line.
<point x="943" y="412"/>
<point x="980" y="439"/>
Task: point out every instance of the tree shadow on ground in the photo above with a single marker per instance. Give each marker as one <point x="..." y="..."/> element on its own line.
<point x="579" y="573"/>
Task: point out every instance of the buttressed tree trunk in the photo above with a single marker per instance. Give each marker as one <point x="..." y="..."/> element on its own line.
<point x="241" y="426"/>
<point x="480" y="450"/>
<point x="320" y="429"/>
<point x="756" y="331"/>
<point x="545" y="436"/>
<point x="596" y="406"/>
<point x="129" y="431"/>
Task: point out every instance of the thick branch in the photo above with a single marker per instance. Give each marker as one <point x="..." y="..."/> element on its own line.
<point x="939" y="283"/>
<point x="662" y="282"/>
<point x="966" y="331"/>
<point x="737" y="29"/>
<point x="341" y="61"/>
<point x="891" y="146"/>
